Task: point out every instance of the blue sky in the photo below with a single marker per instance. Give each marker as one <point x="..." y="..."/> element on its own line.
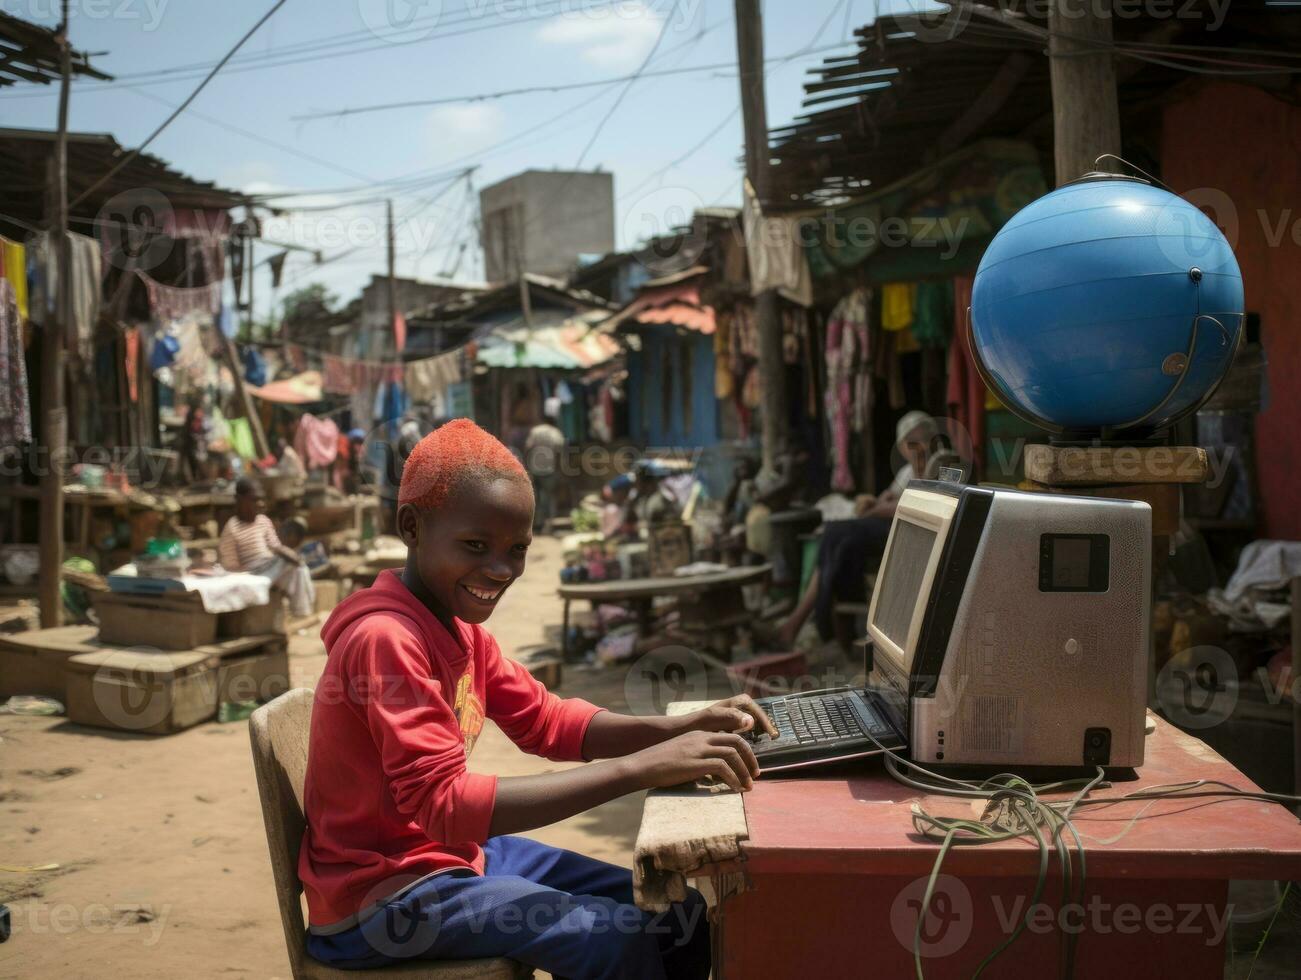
<point x="350" y="53"/>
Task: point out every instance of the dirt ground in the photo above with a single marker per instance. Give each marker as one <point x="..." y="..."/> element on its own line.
<point x="162" y="862"/>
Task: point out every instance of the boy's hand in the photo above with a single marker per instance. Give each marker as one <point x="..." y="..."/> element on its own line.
<point x="696" y="755"/>
<point x="736" y="714"/>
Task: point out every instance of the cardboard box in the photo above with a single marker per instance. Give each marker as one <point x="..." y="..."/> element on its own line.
<point x="170" y="621"/>
<point x="160" y="693"/>
<point x="32" y="662"/>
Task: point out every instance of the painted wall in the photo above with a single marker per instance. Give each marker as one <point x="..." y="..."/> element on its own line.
<point x="1235" y="151"/>
<point x="551" y="217"/>
<point x="671" y="399"/>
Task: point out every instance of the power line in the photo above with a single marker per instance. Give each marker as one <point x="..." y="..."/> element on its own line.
<point x="631" y="81"/>
<point x="179" y="109"/>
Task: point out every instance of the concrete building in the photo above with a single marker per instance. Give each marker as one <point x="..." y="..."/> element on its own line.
<point x="541" y="221"/>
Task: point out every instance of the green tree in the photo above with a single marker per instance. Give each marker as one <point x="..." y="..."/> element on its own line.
<point x="309" y="303"/>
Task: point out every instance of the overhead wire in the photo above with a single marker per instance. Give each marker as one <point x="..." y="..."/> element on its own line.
<point x="117" y="168"/>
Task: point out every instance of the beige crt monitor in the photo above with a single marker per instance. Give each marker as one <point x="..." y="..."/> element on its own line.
<point x="1012" y="628"/>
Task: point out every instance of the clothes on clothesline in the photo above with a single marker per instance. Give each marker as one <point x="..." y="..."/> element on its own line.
<point x="933" y="313"/>
<point x="317" y="440"/>
<point x="13" y="267"/>
<point x="425" y="379"/>
<point x="897" y="300"/>
<point x="848" y="397"/>
<point x="966" y="395"/>
<point x="85" y="269"/>
<point x="255" y="368"/>
<point x="174" y="302"/>
<point x="777" y="257"/>
<point x="15" y="410"/>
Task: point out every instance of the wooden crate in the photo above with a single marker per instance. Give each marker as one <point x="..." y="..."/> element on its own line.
<point x="253" y="620"/>
<point x="169" y="621"/>
<point x="32" y="662"/>
<point x="161" y="693"/>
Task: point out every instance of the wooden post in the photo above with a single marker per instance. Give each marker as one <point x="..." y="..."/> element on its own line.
<point x="772" y="368"/>
<point x="54" y="416"/>
<point x="392" y="280"/>
<point x="1295" y="688"/>
<point x="1086" y="115"/>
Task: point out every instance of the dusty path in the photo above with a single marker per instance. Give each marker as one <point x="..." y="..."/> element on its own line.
<point x="163" y="869"/>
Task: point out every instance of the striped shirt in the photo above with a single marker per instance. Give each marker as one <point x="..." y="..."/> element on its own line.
<point x="245" y="545"/>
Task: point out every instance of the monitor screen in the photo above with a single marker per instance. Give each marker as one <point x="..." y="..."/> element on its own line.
<point x="901" y="580"/>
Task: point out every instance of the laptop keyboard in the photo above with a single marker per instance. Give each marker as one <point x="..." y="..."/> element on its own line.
<point x="822" y="719"/>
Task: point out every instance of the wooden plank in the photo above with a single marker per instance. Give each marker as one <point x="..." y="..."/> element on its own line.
<point x="643" y="588"/>
<point x="82" y="639"/>
<point x="1072" y="466"/>
<point x="683" y="830"/>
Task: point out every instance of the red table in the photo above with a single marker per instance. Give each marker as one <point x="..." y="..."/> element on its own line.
<point x="834" y="874"/>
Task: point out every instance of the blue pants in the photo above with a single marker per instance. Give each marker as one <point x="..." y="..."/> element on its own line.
<point x="552" y="909"/>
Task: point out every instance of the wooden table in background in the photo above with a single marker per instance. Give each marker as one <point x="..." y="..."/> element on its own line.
<point x="828" y="873"/>
<point x="714" y="598"/>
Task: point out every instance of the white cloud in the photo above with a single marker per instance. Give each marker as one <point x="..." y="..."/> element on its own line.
<point x="618" y="36"/>
<point x="456" y="130"/>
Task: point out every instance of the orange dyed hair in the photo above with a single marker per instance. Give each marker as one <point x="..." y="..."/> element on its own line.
<point x="455" y="453"/>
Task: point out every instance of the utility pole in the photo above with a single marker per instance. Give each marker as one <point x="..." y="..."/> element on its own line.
<point x="392" y="281"/>
<point x="1086" y="113"/>
<point x="54" y="415"/>
<point x="772" y="368"/>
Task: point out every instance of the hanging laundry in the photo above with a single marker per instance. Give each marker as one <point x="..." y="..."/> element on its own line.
<point x="226" y="322"/>
<point x="776" y="255"/>
<point x="255" y="369"/>
<point x="430" y="377"/>
<point x="15" y="404"/>
<point x="933" y="313"/>
<point x="13" y="267"/>
<point x="174" y="302"/>
<point x="85" y="263"/>
<point x="163" y="354"/>
<point x="131" y="342"/>
<point x="897" y="300"/>
<point x="966" y="392"/>
<point x="849" y="392"/>
<point x="240" y="437"/>
<point x="316" y="441"/>
<point x="337" y="373"/>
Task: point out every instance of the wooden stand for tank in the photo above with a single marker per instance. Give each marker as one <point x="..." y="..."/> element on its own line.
<point x="1152" y="474"/>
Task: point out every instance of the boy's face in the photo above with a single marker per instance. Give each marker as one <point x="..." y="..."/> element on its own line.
<point x="468" y="552"/>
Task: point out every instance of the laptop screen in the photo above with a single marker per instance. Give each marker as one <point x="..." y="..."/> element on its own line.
<point x="900" y="583"/>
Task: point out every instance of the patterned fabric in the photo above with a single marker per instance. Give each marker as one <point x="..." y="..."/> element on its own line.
<point x="15" y="407"/>
<point x="247" y="545"/>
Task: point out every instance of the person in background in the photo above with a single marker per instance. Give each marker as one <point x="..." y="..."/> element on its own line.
<point x="249" y="543"/>
<point x="847" y="550"/>
<point x="542" y="451"/>
<point x="194" y="442"/>
<point x="288" y="462"/>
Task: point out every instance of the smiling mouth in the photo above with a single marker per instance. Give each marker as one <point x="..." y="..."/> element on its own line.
<point x="484" y="595"/>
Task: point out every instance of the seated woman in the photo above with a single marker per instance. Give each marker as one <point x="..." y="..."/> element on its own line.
<point x="848" y="550"/>
<point x="249" y="543"/>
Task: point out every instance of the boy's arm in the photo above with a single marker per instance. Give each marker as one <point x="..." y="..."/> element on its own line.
<point x="526" y="802"/>
<point x="610" y="735"/>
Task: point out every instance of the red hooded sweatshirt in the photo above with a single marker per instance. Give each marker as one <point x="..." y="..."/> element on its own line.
<point x="387" y="795"/>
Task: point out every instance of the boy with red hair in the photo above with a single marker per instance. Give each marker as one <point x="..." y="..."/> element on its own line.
<point x="406" y="854"/>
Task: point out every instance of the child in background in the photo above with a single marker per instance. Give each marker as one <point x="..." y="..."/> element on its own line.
<point x="407" y="854"/>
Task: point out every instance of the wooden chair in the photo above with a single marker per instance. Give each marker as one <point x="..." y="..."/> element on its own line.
<point x="279" y="731"/>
